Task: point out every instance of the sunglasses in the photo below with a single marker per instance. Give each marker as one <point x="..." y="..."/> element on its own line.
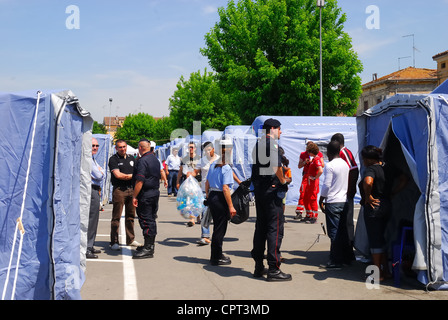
<point x="95" y="145"/>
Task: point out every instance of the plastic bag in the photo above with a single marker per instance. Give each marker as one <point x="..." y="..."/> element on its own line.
<point x="190" y="199"/>
<point x="240" y="201"/>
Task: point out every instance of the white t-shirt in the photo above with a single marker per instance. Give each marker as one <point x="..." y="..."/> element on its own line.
<point x="205" y="166"/>
<point x="335" y="183"/>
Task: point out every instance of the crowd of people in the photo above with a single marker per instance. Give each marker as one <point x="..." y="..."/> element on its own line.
<point x="136" y="183"/>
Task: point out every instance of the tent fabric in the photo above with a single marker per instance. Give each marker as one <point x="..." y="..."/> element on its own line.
<point x="297" y="131"/>
<point x="105" y="151"/>
<point x="45" y="186"/>
<point x="419" y="122"/>
<point x="243" y="144"/>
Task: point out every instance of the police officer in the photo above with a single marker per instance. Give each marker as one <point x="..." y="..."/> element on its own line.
<point x="121" y="166"/>
<point x="217" y="190"/>
<point x="267" y="178"/>
<point x="148" y="172"/>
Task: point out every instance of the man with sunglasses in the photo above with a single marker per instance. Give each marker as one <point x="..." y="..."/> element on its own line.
<point x="97" y="174"/>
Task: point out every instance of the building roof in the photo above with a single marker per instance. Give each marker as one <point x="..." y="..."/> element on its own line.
<point x="409" y="73"/>
<point x="440" y="55"/>
<point x="112" y="120"/>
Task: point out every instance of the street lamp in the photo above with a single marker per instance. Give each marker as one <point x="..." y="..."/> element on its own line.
<point x="110" y="117"/>
<point x="320" y="4"/>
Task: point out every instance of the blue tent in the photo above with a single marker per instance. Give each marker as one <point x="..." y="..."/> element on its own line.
<point x="243" y="143"/>
<point x="296" y="131"/>
<point x="105" y="151"/>
<point x="413" y="132"/>
<point x="44" y="194"/>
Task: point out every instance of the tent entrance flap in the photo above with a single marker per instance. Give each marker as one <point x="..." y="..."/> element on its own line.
<point x="404" y="190"/>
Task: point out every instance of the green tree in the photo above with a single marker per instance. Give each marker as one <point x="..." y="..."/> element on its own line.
<point x="200" y="98"/>
<point x="98" y="128"/>
<point x="162" y="130"/>
<point x="136" y="127"/>
<point x="266" y="56"/>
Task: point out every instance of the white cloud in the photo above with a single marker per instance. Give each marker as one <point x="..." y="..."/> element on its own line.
<point x="131" y="92"/>
<point x="211" y="9"/>
<point x="366" y="42"/>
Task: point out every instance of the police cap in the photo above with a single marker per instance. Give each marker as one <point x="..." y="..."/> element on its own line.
<point x="271" y="122"/>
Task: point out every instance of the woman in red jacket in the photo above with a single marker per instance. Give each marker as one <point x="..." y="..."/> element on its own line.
<point x="312" y="187"/>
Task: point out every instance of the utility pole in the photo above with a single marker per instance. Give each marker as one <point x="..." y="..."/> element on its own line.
<point x="320" y="4"/>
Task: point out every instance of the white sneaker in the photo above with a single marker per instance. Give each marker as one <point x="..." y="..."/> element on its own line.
<point x="115" y="247"/>
<point x="135" y="244"/>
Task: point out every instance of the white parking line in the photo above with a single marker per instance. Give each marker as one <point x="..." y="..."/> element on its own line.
<point x="130" y="280"/>
<point x="105" y="260"/>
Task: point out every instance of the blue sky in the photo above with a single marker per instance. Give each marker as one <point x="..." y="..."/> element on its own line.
<point x="136" y="51"/>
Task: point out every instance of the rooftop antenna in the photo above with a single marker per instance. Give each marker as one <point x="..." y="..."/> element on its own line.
<point x="413" y="46"/>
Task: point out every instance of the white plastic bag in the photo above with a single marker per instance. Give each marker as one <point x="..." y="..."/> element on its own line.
<point x="190" y="199"/>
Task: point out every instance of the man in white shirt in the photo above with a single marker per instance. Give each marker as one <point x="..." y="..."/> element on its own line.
<point x="172" y="165"/>
<point x="97" y="174"/>
<point x="333" y="202"/>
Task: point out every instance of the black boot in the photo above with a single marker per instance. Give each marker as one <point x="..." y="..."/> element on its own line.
<point x="260" y="270"/>
<point x="147" y="250"/>
<point x="275" y="274"/>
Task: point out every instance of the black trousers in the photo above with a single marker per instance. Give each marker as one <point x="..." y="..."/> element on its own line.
<point x="221" y="215"/>
<point x="94" y="215"/>
<point x="269" y="229"/>
<point x="147" y="214"/>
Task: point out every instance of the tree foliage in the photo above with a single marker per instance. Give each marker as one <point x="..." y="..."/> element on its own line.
<point x="136" y="127"/>
<point x="98" y="128"/>
<point x="200" y="98"/>
<point x="266" y="56"/>
<point x="162" y="130"/>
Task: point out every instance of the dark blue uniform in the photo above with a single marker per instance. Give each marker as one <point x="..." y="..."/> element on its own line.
<point x="268" y="203"/>
<point x="147" y="170"/>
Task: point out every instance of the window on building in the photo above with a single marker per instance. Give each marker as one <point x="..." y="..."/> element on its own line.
<point x="443" y="65"/>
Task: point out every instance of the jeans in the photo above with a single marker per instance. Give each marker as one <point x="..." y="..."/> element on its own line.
<point x="172" y="180"/>
<point x="336" y="219"/>
<point x="206" y="218"/>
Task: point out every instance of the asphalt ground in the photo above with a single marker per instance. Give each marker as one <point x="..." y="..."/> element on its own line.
<point x="180" y="271"/>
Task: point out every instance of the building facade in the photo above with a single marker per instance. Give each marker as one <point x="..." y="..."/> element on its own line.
<point x="442" y="66"/>
<point x="406" y="81"/>
<point x="113" y="123"/>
